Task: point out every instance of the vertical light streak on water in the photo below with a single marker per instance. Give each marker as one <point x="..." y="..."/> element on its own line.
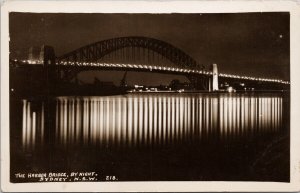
<point x="113" y="122"/>
<point x="280" y="113"/>
<point x="168" y="134"/>
<point x="42" y="124"/>
<point x="260" y="107"/>
<point x="92" y="122"/>
<point x="249" y="117"/>
<point x="146" y="116"/>
<point x="246" y="115"/>
<point x="95" y="121"/>
<point x="68" y="120"/>
<point x="124" y="130"/>
<point x="211" y="124"/>
<point x="255" y="112"/>
<point x="221" y="114"/>
<point x="33" y="129"/>
<point x="108" y="121"/>
<point x="252" y="114"/>
<point x="24" y="124"/>
<point x="159" y="121"/>
<point x="86" y="121"/>
<point x="234" y="108"/>
<point x="69" y="115"/>
<point x="242" y="102"/>
<point x="204" y="117"/>
<point x="83" y="120"/>
<point x="155" y="120"/>
<point x="200" y="117"/>
<point x="73" y="120"/>
<point x="129" y="122"/>
<point x="272" y="114"/>
<point x="264" y="110"/>
<point x="107" y="126"/>
<point x="181" y="118"/>
<point x="210" y="117"/>
<point x="277" y="113"/>
<point x="230" y="110"/>
<point x="239" y="116"/>
<point x="151" y="120"/>
<point x="65" y="122"/>
<point x="188" y="118"/>
<point x="207" y="117"/>
<point x="196" y="115"/>
<point x="227" y="116"/>
<point x="119" y="121"/>
<point x="101" y="122"/>
<point x="185" y="118"/>
<point x="193" y="118"/>
<point x="215" y="117"/>
<point x="164" y="120"/>
<point x="267" y="114"/>
<point x="57" y="128"/>
<point x="61" y="119"/>
<point x="269" y="125"/>
<point x="177" y="119"/>
<point x="103" y="125"/>
<point x="135" y="121"/>
<point x="255" y="116"/>
<point x="140" y="120"/>
<point x="28" y="124"/>
<point x="260" y="115"/>
<point x="173" y="111"/>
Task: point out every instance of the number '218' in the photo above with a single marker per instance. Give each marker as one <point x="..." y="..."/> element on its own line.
<point x="111" y="178"/>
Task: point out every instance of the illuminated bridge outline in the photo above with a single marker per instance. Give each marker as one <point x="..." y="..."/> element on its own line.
<point x="152" y="67"/>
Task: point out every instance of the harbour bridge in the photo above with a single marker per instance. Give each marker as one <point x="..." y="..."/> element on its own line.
<point x="134" y="53"/>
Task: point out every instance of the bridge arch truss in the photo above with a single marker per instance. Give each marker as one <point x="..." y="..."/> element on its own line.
<point x="94" y="52"/>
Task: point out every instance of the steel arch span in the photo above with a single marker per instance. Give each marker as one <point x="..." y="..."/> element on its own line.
<point x="96" y="51"/>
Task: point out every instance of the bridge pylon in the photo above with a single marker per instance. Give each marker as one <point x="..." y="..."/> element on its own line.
<point x="42" y="55"/>
<point x="213" y="81"/>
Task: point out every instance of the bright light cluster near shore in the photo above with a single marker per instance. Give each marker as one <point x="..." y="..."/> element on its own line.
<point x="153" y="67"/>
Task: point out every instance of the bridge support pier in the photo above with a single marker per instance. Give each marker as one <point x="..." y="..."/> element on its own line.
<point x="213" y="82"/>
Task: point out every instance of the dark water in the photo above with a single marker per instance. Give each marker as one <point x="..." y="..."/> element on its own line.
<point x="155" y="136"/>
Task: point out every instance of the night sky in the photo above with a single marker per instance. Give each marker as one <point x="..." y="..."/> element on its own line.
<point x="255" y="44"/>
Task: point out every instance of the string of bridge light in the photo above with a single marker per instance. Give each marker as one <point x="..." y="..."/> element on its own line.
<point x="153" y="67"/>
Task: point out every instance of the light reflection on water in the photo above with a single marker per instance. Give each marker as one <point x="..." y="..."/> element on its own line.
<point x="153" y="119"/>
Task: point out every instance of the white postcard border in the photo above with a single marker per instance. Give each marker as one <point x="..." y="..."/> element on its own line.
<point x="154" y="7"/>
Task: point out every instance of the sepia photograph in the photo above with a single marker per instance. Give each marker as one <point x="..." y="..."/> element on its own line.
<point x="149" y="97"/>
